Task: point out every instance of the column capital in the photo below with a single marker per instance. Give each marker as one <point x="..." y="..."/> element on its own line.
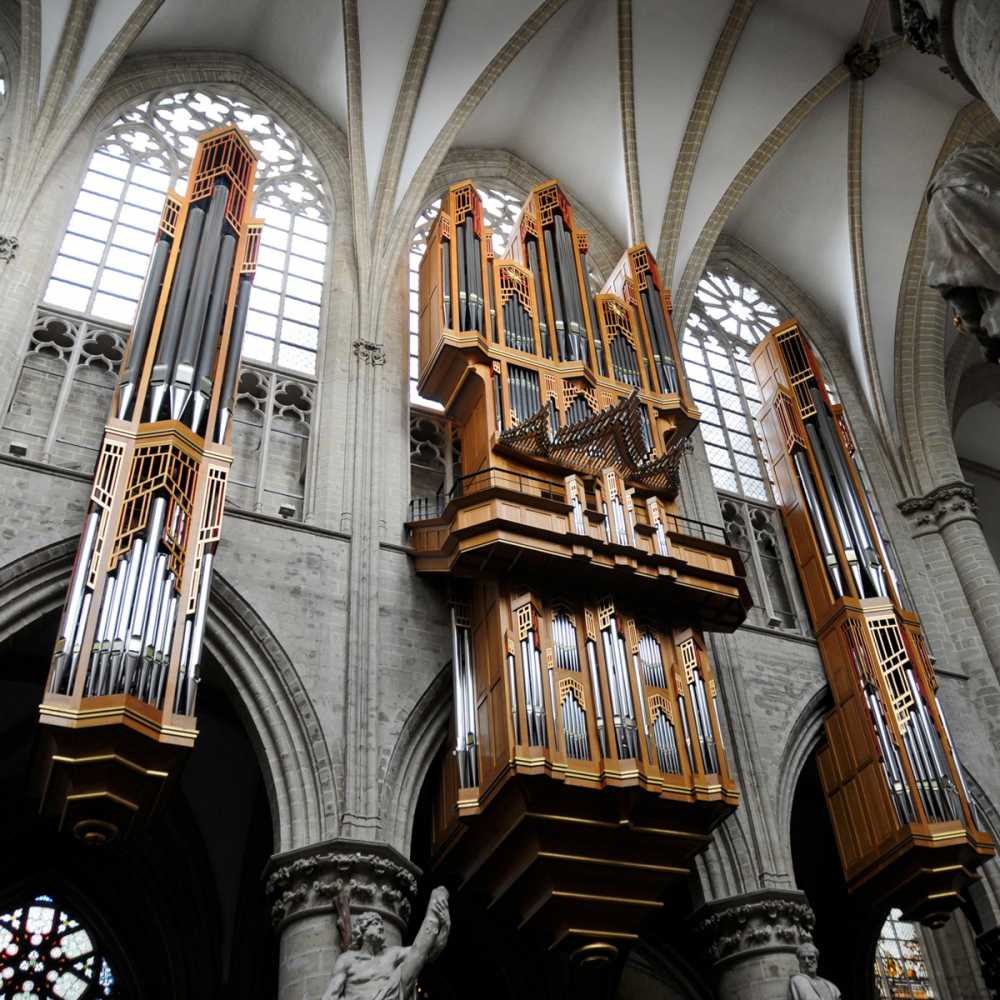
<point x="955" y="501"/>
<point x="765" y="921"/>
<point x="309" y="880"/>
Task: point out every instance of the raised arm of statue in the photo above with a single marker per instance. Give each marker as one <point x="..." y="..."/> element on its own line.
<point x="430" y="940"/>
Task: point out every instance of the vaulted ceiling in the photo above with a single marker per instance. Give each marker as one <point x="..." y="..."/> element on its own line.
<point x="741" y="118"/>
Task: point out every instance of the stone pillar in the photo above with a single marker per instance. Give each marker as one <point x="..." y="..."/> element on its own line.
<point x="962" y="32"/>
<point x="750" y="942"/>
<point x="303" y="887"/>
<point x="951" y="510"/>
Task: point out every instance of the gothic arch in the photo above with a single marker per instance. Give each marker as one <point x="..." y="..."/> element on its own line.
<point x="281" y="721"/>
<point x="404" y="773"/>
<point x="804" y="736"/>
<point x="141" y="76"/>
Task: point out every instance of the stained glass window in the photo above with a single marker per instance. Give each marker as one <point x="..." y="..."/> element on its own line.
<point x="45" y="952"/>
<point x="104" y="254"/>
<point x="900" y="967"/>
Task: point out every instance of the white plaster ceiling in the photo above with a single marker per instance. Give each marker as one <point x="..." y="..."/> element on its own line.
<point x="557" y="106"/>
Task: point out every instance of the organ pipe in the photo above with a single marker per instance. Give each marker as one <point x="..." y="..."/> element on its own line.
<point x="562" y="534"/>
<point x="133" y="626"/>
<point x="887" y="753"/>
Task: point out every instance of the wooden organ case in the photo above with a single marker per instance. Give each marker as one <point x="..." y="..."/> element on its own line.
<point x="118" y="711"/>
<point x="906" y="830"/>
<point x="586" y="768"/>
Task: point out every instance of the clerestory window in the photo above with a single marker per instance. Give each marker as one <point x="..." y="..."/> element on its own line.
<point x="728" y="318"/>
<point x="147" y="150"/>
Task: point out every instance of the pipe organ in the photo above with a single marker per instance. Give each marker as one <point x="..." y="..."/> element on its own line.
<point x="906" y="829"/>
<point x="586" y="766"/>
<point x="118" y="712"/>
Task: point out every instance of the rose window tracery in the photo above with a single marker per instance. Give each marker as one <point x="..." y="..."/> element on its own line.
<point x="46" y="952"/>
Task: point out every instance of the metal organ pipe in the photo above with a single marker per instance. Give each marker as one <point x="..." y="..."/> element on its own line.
<point x="536" y="273"/>
<point x="576" y="347"/>
<point x="595" y="330"/>
<point x="136" y="615"/>
<point x="209" y="346"/>
<point x="194" y="631"/>
<point x="192" y="327"/>
<point x="74" y="603"/>
<point x="595" y="685"/>
<point x="446" y="281"/>
<point x="464" y="704"/>
<point x="666" y="365"/>
<point x="143" y="324"/>
<point x="552" y="259"/>
<point x="863" y="542"/>
<point x="818" y="518"/>
<point x="76" y="642"/>
<point x="166" y="350"/>
<point x="666" y="744"/>
<point x="236" y="332"/>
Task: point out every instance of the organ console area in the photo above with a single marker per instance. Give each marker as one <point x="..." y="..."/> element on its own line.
<point x="119" y="707"/>
<point x="907" y="831"/>
<point x="586" y="765"/>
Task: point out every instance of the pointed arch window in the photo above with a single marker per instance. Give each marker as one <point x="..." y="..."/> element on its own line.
<point x="47" y="953"/>
<point x="900" y="965"/>
<point x="729" y="317"/>
<point x="146" y="151"/>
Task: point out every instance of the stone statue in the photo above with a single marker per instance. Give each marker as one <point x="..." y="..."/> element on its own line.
<point x="805" y="984"/>
<point x="963" y="241"/>
<point x="369" y="970"/>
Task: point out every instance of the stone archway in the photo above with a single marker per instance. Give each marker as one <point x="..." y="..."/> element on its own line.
<point x="266" y="688"/>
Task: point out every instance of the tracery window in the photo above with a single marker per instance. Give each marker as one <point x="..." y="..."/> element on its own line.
<point x="147" y="150"/>
<point x="900" y="967"/>
<point x="729" y="317"/>
<point x="45" y="952"/>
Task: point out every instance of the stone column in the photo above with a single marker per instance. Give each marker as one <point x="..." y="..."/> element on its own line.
<point x="962" y="32"/>
<point x="951" y="511"/>
<point x="303" y="887"/>
<point x="750" y="941"/>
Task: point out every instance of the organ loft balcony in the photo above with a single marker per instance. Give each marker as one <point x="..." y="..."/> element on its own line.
<point x="586" y="767"/>
<point x="499" y="520"/>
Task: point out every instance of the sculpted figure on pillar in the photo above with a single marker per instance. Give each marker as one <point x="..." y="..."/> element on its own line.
<point x="369" y="970"/>
<point x="963" y="245"/>
<point x="805" y="984"/>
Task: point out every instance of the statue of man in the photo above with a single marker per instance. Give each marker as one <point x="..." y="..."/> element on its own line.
<point x="369" y="970"/>
<point x="963" y="246"/>
<point x="805" y="984"/>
